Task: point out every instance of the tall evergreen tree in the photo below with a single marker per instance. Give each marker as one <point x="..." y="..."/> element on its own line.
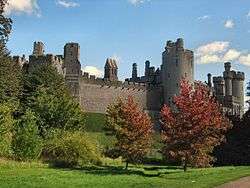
<point x="9" y="72"/>
<point x="46" y="93"/>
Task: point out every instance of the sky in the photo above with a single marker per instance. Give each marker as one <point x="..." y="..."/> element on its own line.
<point x="133" y="31"/>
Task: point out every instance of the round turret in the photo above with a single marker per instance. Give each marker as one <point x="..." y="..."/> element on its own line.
<point x="177" y="64"/>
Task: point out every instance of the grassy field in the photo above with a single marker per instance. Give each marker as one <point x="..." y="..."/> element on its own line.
<point x="25" y="175"/>
<point x="94" y="127"/>
<point x="29" y="175"/>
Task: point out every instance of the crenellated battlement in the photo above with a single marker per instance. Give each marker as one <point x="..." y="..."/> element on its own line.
<point x="240" y="76"/>
<point x="46" y="58"/>
<point x="218" y="80"/>
<point x="91" y="79"/>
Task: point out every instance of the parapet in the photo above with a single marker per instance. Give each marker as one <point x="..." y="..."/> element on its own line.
<point x="38" y="48"/>
<point x="227" y="66"/>
<point x="48" y="58"/>
<point x="91" y="79"/>
<point x="240" y="76"/>
<point x="178" y="44"/>
<point x="218" y="80"/>
<point x="20" y="60"/>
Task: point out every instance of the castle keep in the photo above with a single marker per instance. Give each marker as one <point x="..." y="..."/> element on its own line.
<point x="155" y="88"/>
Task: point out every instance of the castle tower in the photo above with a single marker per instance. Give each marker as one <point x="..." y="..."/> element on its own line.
<point x="209" y="80"/>
<point x="134" y="72"/>
<point x="177" y="64"/>
<point x="38" y="49"/>
<point x="219" y="86"/>
<point x="110" y="70"/>
<point x="228" y="76"/>
<point x="147" y="66"/>
<point x="72" y="67"/>
<point x="238" y="89"/>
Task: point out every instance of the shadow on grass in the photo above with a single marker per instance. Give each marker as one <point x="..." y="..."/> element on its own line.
<point x="154" y="171"/>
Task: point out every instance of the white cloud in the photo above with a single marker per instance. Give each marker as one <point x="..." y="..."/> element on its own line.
<point x="220" y="52"/>
<point x="22" y="6"/>
<point x="205" y="17"/>
<point x="229" y="24"/>
<point x="231" y="55"/>
<point x="245" y="59"/>
<point x="213" y="47"/>
<point x="93" y="71"/>
<point x="137" y="2"/>
<point x="67" y="4"/>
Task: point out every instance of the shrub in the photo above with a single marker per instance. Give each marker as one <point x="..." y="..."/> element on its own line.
<point x="27" y="144"/>
<point x="6" y="126"/>
<point x="71" y="149"/>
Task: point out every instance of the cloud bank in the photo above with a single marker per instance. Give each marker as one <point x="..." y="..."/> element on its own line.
<point x="23" y="6"/>
<point x="220" y="52"/>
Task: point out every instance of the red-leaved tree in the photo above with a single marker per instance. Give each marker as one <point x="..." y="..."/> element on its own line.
<point x="132" y="129"/>
<point x="194" y="127"/>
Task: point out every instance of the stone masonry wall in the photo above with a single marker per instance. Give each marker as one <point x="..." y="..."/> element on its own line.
<point x="96" y="97"/>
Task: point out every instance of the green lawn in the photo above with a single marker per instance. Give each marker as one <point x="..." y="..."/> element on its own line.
<point x="13" y="174"/>
<point x="94" y="122"/>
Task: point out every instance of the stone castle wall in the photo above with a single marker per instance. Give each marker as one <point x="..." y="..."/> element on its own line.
<point x="96" y="97"/>
<point x="96" y="94"/>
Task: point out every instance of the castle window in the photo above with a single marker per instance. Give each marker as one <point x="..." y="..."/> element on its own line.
<point x="168" y="75"/>
<point x="176" y="62"/>
<point x="185" y="74"/>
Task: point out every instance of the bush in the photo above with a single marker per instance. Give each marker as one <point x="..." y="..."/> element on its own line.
<point x="27" y="144"/>
<point x="71" y="149"/>
<point x="6" y="127"/>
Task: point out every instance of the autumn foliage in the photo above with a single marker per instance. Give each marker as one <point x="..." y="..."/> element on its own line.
<point x="194" y="128"/>
<point x="132" y="129"/>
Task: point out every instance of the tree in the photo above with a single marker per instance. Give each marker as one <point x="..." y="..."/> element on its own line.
<point x="6" y="126"/>
<point x="10" y="76"/>
<point x="27" y="144"/>
<point x="236" y="151"/>
<point x="46" y="94"/>
<point x="9" y="72"/>
<point x="132" y="129"/>
<point x="57" y="112"/>
<point x="5" y="23"/>
<point x="194" y="128"/>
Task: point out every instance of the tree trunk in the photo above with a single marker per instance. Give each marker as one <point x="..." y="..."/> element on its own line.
<point x="126" y="167"/>
<point x="185" y="166"/>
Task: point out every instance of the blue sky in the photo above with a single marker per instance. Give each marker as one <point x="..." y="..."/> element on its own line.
<point x="134" y="31"/>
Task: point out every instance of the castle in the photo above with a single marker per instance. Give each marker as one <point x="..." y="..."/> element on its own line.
<point x="155" y="88"/>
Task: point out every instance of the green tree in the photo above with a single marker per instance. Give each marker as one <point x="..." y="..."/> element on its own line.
<point x="6" y="126"/>
<point x="46" y="94"/>
<point x="9" y="72"/>
<point x="27" y="145"/>
<point x="5" y="23"/>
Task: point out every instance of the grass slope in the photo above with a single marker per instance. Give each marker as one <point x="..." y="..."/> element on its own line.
<point x="94" y="122"/>
<point x="27" y="175"/>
